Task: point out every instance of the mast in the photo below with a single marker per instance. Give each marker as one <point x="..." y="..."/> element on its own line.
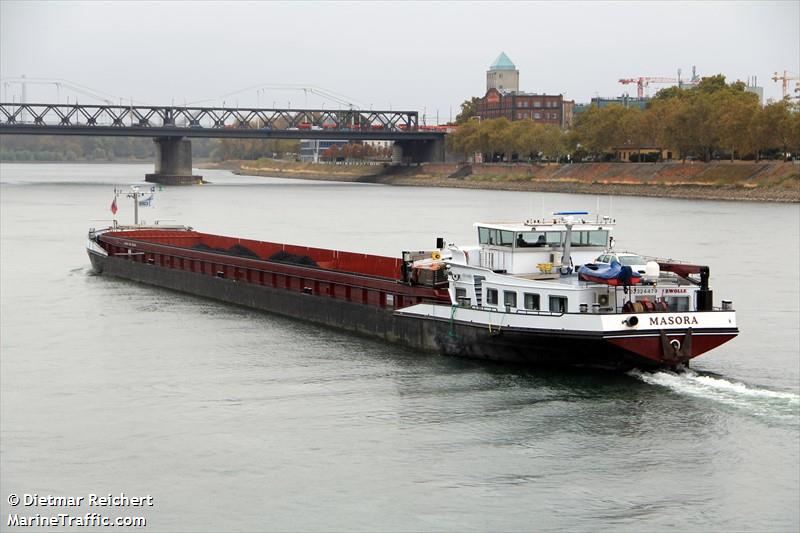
<point x="566" y="260"/>
<point x="135" y="194"/>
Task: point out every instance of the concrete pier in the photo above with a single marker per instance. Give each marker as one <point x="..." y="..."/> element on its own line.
<point x="418" y="151"/>
<point x="173" y="165"/>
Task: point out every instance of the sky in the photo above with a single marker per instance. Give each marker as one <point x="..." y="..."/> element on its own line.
<point x="421" y="56"/>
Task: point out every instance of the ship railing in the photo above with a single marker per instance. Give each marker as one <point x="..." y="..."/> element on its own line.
<point x="492" y="309"/>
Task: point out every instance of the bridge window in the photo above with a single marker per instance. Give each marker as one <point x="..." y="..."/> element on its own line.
<point x="589" y="238"/>
<point x="495" y="237"/>
<point x="558" y="304"/>
<point x="531" y="301"/>
<point x="506" y="238"/>
<point x="530" y="239"/>
<point x="554" y="238"/>
<point x="510" y="298"/>
<point x="491" y="296"/>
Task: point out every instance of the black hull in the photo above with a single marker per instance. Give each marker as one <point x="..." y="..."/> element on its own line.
<point x="443" y="336"/>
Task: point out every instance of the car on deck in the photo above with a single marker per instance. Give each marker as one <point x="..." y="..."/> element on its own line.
<point x="635" y="261"/>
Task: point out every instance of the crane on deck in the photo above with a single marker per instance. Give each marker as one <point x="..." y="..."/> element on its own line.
<point x="644" y="81"/>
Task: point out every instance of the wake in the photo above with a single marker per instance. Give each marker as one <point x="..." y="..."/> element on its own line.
<point x="756" y="399"/>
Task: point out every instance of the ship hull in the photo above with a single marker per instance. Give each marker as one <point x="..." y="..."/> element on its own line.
<point x="449" y="337"/>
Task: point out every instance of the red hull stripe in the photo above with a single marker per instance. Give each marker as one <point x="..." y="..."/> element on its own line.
<point x="650" y="346"/>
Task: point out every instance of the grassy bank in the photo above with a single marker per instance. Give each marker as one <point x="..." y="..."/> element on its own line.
<point x="768" y="181"/>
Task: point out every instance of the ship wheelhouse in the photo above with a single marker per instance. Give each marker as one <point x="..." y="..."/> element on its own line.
<point x="531" y="267"/>
<point x="527" y="267"/>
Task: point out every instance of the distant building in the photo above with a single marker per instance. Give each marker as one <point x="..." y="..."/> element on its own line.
<point x="542" y="108"/>
<point x="642" y="153"/>
<point x="378" y="144"/>
<point x="504" y="99"/>
<point x="502" y="75"/>
<point x="624" y="101"/>
<point x="752" y="87"/>
<point x="312" y="149"/>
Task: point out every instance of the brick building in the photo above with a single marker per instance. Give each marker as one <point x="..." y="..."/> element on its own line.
<point x="542" y="108"/>
<point x="506" y="100"/>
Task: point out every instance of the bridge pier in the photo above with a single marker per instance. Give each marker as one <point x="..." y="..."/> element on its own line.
<point x="173" y="165"/>
<point x="418" y="151"/>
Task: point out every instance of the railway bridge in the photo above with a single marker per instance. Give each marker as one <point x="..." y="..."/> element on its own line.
<point x="172" y="128"/>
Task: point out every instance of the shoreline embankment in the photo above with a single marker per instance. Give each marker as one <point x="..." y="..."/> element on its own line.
<point x="741" y="181"/>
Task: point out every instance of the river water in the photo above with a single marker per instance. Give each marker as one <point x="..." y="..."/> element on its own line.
<point x="235" y="420"/>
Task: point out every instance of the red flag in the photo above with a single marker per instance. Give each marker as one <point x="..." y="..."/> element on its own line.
<point x="114" y="206"/>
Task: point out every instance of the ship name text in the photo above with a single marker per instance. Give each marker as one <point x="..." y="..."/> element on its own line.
<point x="672" y="320"/>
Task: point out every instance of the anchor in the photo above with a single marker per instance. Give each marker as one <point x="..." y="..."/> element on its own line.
<point x="675" y="351"/>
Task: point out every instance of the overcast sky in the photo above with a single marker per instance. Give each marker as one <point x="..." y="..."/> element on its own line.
<point x="409" y="55"/>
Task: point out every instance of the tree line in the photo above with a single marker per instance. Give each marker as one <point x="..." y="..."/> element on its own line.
<point x="712" y="119"/>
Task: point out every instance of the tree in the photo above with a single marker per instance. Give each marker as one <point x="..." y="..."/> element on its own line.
<point x="469" y="109"/>
<point x="331" y="153"/>
<point x="773" y="127"/>
<point x="466" y="139"/>
<point x="552" y="141"/>
<point x="734" y="115"/>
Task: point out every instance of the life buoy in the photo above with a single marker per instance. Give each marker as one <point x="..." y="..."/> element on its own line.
<point x="436" y="255"/>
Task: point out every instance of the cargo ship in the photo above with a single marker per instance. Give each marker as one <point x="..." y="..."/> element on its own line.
<point x="540" y="292"/>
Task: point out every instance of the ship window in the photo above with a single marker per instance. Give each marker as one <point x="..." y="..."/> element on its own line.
<point x="483" y="235"/>
<point x="589" y="238"/>
<point x="598" y="237"/>
<point x="677" y="304"/>
<point x="558" y="304"/>
<point x="461" y="297"/>
<point x="495" y="237"/>
<point x="531" y="239"/>
<point x="491" y="296"/>
<point x="510" y="298"/>
<point x="553" y="238"/>
<point x="531" y="301"/>
<point x="579" y="238"/>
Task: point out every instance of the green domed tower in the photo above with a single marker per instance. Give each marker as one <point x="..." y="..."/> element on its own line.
<point x="503" y="75"/>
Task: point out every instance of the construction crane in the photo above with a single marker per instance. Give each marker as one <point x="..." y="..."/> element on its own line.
<point x="785" y="79"/>
<point x="644" y="81"/>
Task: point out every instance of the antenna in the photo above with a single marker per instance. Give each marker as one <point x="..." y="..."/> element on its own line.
<point x="135" y="194"/>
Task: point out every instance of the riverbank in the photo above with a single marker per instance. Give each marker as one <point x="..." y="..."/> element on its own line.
<point x="746" y="181"/>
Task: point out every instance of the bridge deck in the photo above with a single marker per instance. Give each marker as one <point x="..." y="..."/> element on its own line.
<point x="251" y="123"/>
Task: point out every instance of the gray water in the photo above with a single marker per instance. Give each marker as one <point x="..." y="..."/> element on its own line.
<point x="235" y="420"/>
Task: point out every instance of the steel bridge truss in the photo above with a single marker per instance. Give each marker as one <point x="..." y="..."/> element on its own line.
<point x="205" y="118"/>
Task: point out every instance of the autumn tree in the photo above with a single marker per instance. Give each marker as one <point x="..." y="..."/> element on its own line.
<point x="469" y="109"/>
